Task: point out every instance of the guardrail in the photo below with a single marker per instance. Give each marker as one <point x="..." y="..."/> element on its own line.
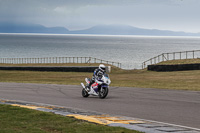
<point x="172" y="56"/>
<point x="57" y="60"/>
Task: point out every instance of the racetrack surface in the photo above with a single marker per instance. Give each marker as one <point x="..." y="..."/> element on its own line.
<point x="170" y="106"/>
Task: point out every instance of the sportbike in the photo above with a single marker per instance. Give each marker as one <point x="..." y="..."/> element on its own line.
<point x="98" y="88"/>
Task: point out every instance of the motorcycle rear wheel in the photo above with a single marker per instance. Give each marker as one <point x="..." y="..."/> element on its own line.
<point x="103" y="93"/>
<point x="85" y="93"/>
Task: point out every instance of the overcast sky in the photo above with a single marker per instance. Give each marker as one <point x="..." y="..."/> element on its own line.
<point x="177" y="15"/>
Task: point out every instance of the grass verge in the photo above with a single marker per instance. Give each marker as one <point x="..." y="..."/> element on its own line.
<point x="183" y="61"/>
<point x="22" y="120"/>
<point x="180" y="80"/>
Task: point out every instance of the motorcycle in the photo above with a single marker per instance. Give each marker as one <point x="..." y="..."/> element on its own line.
<point x="98" y="88"/>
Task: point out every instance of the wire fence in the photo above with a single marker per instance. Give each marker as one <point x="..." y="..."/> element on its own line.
<point x="172" y="56"/>
<point x="46" y="60"/>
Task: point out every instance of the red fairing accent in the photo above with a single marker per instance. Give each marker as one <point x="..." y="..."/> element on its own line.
<point x="95" y="84"/>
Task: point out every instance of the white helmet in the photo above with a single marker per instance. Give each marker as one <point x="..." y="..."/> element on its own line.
<point x="102" y="67"/>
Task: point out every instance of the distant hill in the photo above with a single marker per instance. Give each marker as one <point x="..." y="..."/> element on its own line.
<point x="99" y="29"/>
<point x="30" y="28"/>
<point x="129" y="30"/>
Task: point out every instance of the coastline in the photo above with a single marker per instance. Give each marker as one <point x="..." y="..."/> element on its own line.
<point x="99" y="35"/>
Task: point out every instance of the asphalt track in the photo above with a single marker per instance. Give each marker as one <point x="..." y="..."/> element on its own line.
<point x="169" y="106"/>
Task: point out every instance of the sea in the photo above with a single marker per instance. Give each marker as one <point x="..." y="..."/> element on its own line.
<point x="129" y="50"/>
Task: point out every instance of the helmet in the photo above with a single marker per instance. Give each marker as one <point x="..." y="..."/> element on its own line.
<point x="102" y="67"/>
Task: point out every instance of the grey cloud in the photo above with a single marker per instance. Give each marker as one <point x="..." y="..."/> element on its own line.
<point x="87" y="13"/>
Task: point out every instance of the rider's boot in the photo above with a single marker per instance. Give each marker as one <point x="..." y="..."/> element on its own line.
<point x="88" y="86"/>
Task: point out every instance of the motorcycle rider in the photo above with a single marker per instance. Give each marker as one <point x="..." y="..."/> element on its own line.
<point x="97" y="74"/>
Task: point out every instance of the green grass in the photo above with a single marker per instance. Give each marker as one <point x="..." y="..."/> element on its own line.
<point x="22" y="120"/>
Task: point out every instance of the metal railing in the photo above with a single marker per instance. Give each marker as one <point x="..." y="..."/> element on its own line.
<point x="57" y="60"/>
<point x="172" y="56"/>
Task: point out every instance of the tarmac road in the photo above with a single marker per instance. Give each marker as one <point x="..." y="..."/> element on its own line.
<point x="169" y="106"/>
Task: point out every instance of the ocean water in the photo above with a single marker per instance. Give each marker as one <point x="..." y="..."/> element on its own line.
<point x="131" y="51"/>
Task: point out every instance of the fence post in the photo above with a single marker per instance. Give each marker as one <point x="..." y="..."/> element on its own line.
<point x="167" y="56"/>
<point x="162" y="57"/>
<point x="186" y="54"/>
<point x="95" y="60"/>
<point x="193" y="54"/>
<point x="89" y="60"/>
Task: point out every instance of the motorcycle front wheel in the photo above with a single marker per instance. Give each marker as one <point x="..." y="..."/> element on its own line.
<point x="103" y="92"/>
<point x="84" y="93"/>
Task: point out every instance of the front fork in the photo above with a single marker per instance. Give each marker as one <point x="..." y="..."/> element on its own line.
<point x="86" y="89"/>
<point x="101" y="87"/>
<point x="83" y="85"/>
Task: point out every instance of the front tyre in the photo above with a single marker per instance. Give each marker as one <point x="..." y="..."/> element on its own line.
<point x="84" y="93"/>
<point x="103" y="92"/>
